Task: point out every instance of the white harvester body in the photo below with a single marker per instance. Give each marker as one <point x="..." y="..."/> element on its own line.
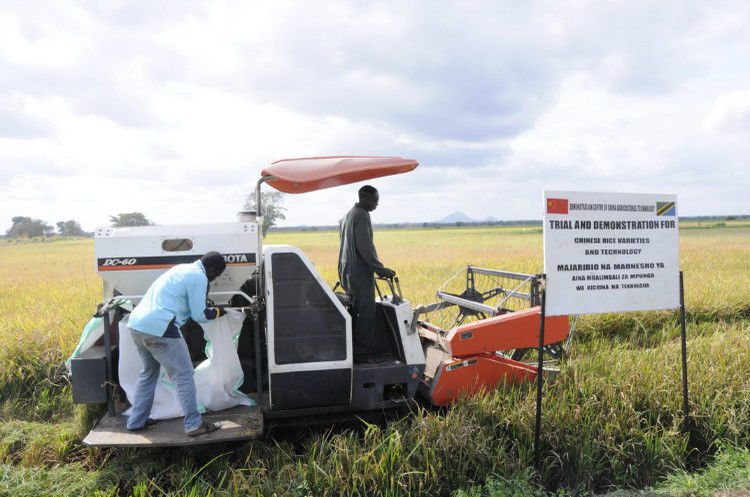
<point x="295" y="345"/>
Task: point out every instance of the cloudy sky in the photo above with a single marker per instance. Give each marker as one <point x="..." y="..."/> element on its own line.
<point x="173" y="108"/>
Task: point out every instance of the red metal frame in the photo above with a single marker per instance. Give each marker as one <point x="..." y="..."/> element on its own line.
<point x="474" y="365"/>
<point x="471" y="375"/>
<point x="515" y="330"/>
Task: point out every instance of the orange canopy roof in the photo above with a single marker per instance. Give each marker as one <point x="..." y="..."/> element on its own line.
<point x="315" y="173"/>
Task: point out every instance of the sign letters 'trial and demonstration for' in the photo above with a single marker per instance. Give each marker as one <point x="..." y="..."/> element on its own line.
<point x="610" y="252"/>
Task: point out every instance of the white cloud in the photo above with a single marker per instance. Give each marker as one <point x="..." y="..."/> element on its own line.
<point x="22" y="118"/>
<point x="174" y="108"/>
<point x="730" y="113"/>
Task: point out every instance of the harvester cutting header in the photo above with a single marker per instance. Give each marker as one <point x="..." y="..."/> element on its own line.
<point x="286" y="349"/>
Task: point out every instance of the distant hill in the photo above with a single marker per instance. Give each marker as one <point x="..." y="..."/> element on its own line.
<point x="456" y="217"/>
<point x="460" y="217"/>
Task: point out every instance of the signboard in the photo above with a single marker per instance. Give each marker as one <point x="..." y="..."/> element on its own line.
<point x="610" y="252"/>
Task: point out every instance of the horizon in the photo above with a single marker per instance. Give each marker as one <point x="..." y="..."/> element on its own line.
<point x="440" y="223"/>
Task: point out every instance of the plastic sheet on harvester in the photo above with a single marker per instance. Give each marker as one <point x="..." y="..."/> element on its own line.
<point x="93" y="331"/>
<point x="216" y="379"/>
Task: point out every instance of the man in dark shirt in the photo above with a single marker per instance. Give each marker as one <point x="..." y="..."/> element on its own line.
<point x="358" y="260"/>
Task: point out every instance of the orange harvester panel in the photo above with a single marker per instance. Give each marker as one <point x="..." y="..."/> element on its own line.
<point x="315" y="173"/>
<point x="514" y="330"/>
<point x="474" y="374"/>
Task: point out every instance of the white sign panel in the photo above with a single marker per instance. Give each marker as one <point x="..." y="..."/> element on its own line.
<point x="610" y="252"/>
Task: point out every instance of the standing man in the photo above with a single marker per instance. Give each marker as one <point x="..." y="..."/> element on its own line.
<point x="175" y="296"/>
<point x="358" y="260"/>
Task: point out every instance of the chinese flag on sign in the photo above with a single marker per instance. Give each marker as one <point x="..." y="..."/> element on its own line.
<point x="557" y="206"/>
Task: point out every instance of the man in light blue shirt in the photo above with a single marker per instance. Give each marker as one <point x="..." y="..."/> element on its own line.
<point x="175" y="296"/>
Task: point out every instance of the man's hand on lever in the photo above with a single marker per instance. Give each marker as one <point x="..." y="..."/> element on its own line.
<point x="386" y="273"/>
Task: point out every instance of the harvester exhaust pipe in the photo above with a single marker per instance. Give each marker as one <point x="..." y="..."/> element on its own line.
<point x="263" y="179"/>
<point x="259" y="290"/>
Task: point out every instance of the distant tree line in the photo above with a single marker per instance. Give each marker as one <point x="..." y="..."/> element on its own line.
<point x="522" y="222"/>
<point x="70" y="228"/>
<point x="26" y="227"/>
<point x="430" y="225"/>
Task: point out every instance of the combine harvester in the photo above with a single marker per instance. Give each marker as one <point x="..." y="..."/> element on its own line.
<point x="294" y="342"/>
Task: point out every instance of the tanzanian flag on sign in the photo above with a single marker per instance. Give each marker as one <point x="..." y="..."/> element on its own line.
<point x="665" y="208"/>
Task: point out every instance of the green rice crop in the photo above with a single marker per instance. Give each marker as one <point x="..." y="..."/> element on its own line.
<point x="612" y="419"/>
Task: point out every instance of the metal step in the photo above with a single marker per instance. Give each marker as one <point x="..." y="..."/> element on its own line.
<point x="237" y="423"/>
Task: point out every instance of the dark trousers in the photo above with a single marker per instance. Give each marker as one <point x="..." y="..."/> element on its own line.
<point x="361" y="286"/>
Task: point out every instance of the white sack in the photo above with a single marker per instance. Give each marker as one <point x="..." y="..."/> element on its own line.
<point x="220" y="375"/>
<point x="216" y="379"/>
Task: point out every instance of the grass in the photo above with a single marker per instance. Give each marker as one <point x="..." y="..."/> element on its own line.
<point x="62" y="481"/>
<point x="729" y="473"/>
<point x="520" y="485"/>
<point x="39" y="444"/>
<point x="612" y="419"/>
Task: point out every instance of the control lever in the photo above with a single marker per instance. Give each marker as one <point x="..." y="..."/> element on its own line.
<point x="395" y="288"/>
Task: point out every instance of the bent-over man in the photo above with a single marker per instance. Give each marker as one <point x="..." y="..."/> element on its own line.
<point x="175" y="296"/>
<point x="358" y="260"/>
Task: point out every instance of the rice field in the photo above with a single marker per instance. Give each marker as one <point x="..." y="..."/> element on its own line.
<point x="612" y="418"/>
